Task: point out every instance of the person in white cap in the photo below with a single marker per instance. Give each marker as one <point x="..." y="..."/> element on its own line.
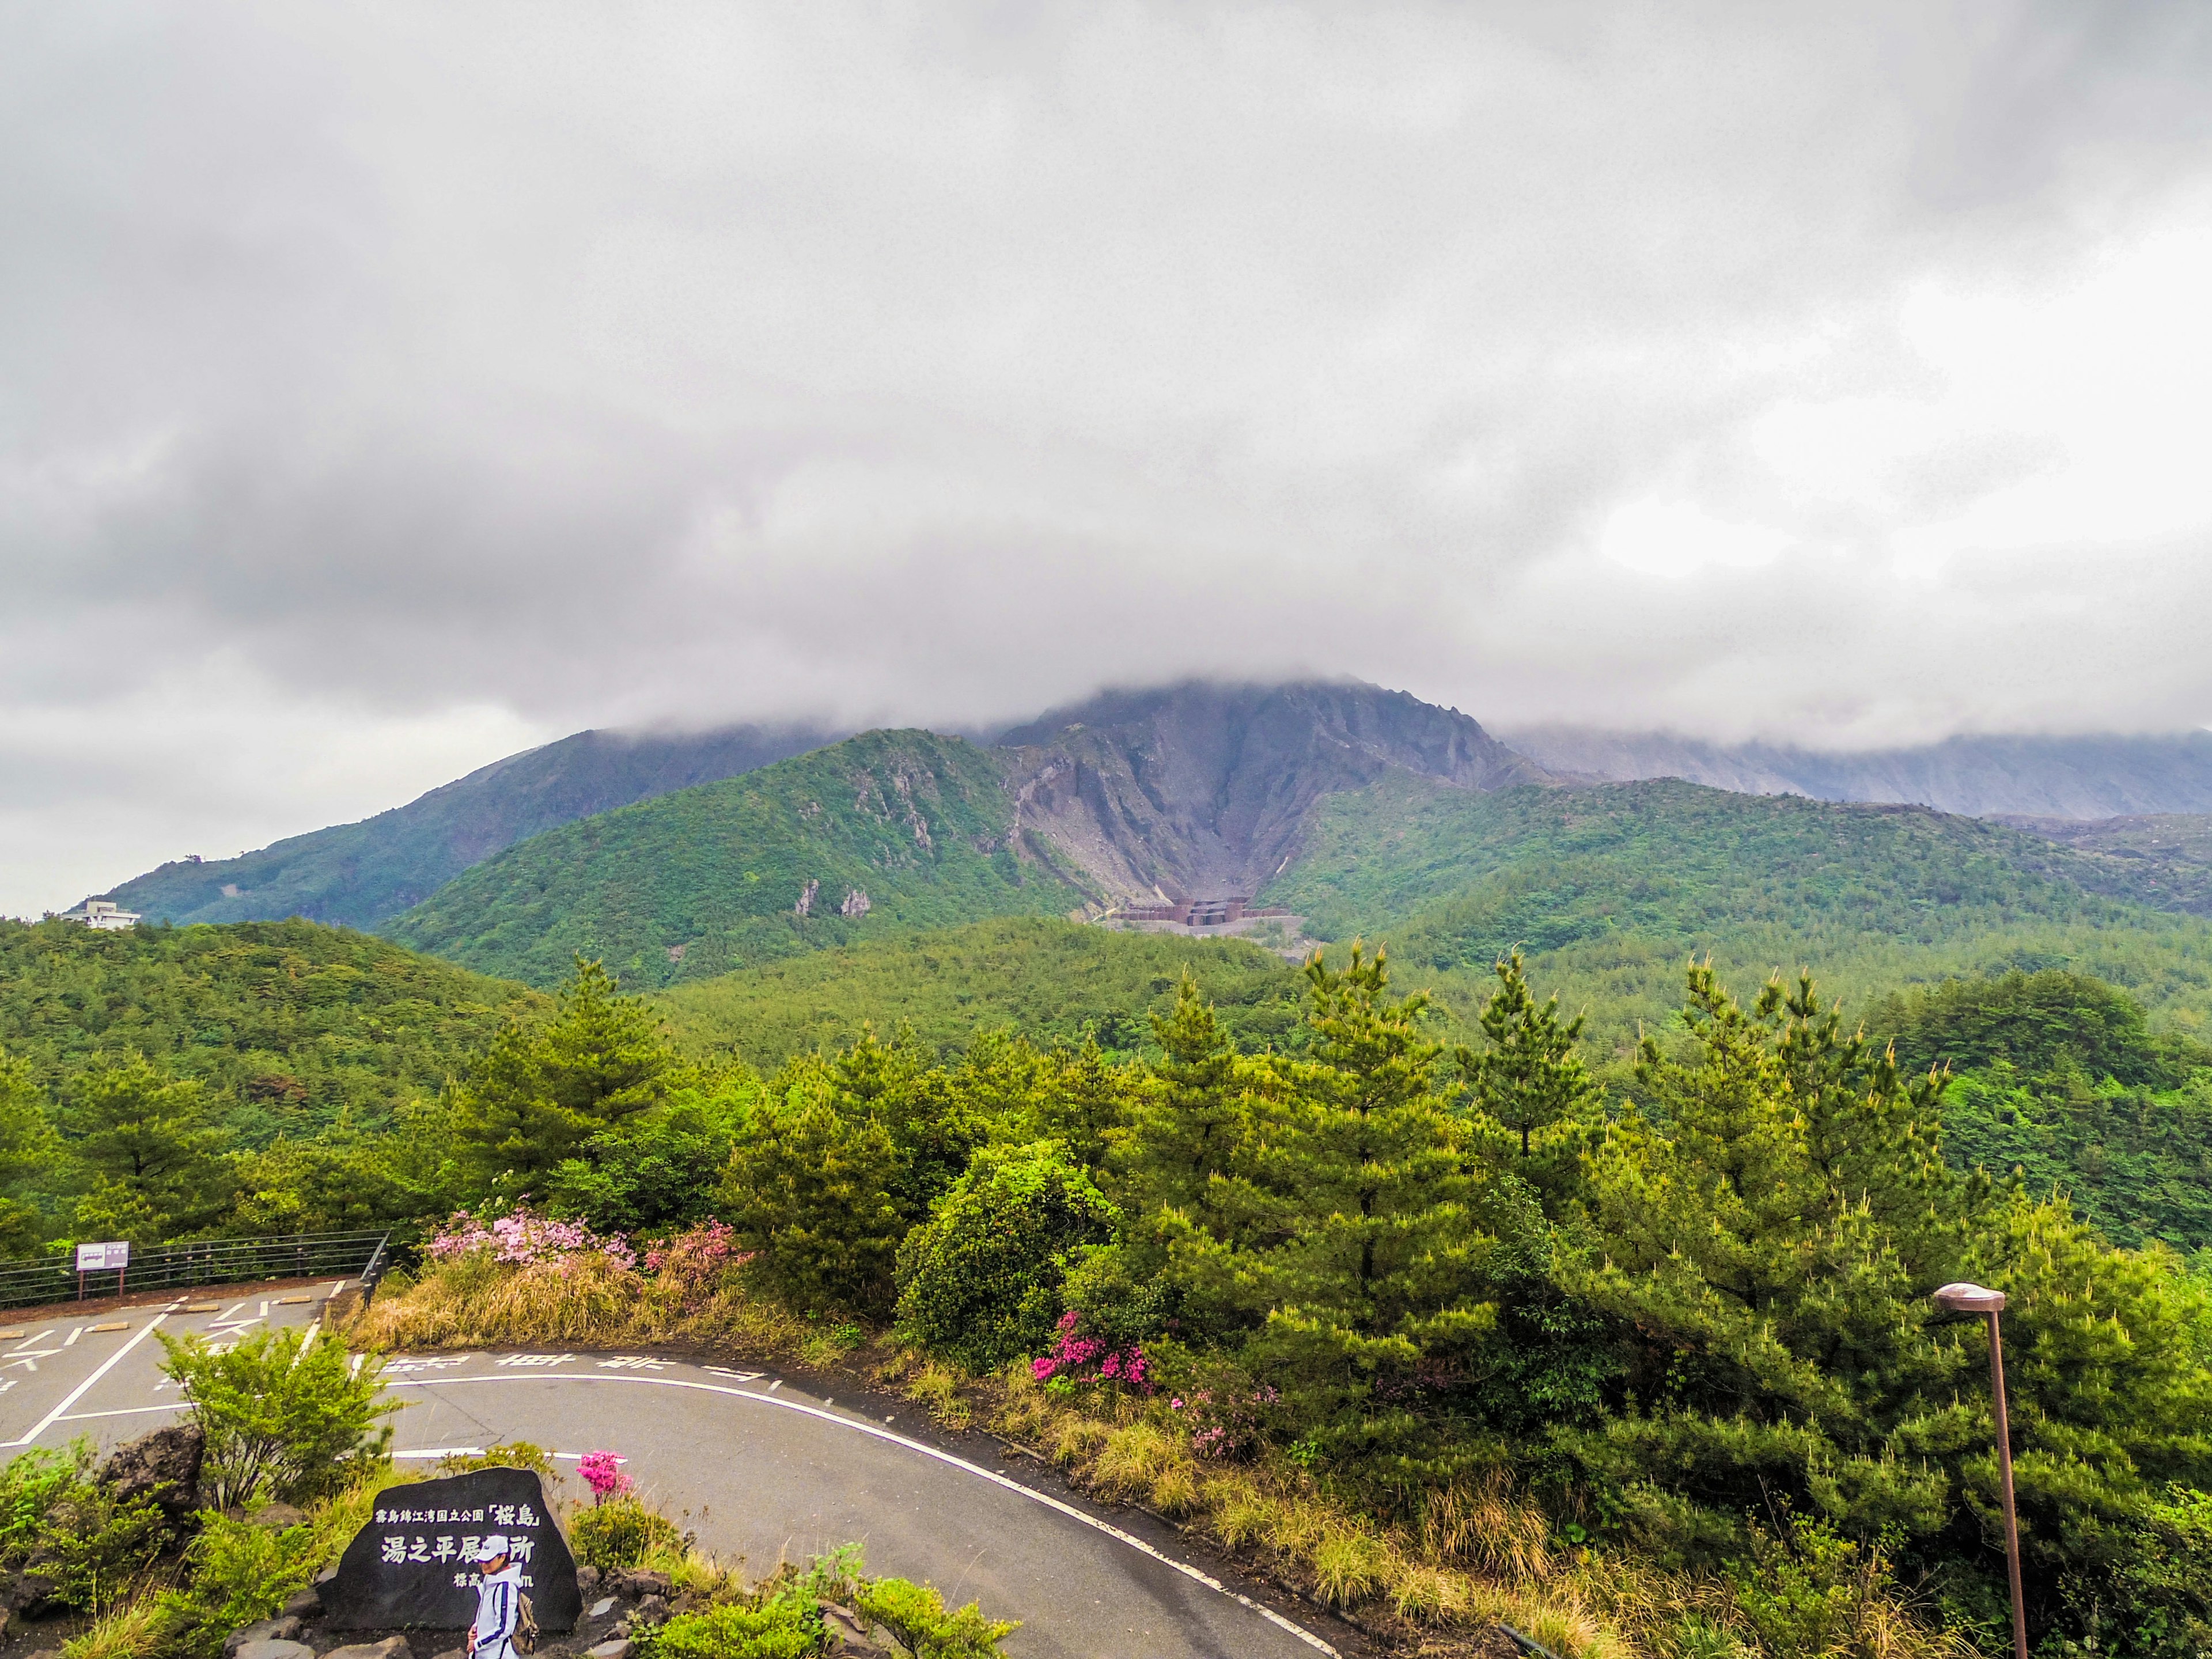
<point x="499" y="1601"/>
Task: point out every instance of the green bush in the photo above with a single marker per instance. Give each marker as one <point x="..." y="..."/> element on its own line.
<point x="284" y="1415"/>
<point x="980" y="1283"/>
<point x="91" y="1545"/>
<point x="779" y="1630"/>
<point x="236" y="1573"/>
<point x="619" y="1534"/>
<point x="508" y="1454"/>
<point x="916" y="1617"/>
<point x="810" y="1190"/>
<point x="32" y="1485"/>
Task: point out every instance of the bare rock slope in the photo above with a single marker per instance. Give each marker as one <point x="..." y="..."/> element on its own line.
<point x="1201" y="790"/>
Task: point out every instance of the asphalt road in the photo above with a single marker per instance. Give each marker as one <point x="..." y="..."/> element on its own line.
<point x="761" y="1468"/>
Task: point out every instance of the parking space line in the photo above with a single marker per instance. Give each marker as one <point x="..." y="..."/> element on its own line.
<point x="126" y="1411"/>
<point x="81" y="1388"/>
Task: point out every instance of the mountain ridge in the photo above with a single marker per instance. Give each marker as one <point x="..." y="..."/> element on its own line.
<point x="359" y="874"/>
<point x="2086" y="777"/>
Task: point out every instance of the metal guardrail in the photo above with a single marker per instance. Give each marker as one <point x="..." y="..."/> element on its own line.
<point x="203" y="1261"/>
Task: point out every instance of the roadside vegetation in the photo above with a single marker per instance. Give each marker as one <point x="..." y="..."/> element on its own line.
<point x="1440" y="1335"/>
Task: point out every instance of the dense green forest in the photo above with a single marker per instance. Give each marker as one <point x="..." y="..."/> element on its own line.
<point x="1689" y="1314"/>
<point x="887" y="830"/>
<point x="1052" y="981"/>
<point x="1607" y="889"/>
<point x="1684" y="1301"/>
<point x="143" y="1072"/>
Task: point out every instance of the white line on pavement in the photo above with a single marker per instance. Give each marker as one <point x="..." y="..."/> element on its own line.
<point x="106" y="1365"/>
<point x="992" y="1475"/>
<point x="126" y="1411"/>
<point x="69" y="1342"/>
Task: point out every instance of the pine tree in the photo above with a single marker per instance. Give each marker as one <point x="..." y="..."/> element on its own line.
<point x="147" y="1144"/>
<point x="1377" y="1270"/>
<point x="540" y="1094"/>
<point x="1531" y="1083"/>
<point x="811" y="1189"/>
<point x="1186" y="1129"/>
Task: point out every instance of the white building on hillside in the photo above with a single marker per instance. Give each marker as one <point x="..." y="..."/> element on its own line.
<point x="101" y="915"/>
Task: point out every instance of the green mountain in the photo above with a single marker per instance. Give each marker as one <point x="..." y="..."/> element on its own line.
<point x="2092" y="776"/>
<point x="357" y="874"/>
<point x="1053" y="980"/>
<point x="1191" y="791"/>
<point x="293" y="1027"/>
<point x="1609" y="888"/>
<point x="883" y="831"/>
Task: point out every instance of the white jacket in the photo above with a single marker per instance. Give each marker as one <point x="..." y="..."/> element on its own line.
<point x="499" y="1605"/>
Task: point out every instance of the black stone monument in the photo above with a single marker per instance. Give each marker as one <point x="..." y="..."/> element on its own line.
<point x="411" y="1568"/>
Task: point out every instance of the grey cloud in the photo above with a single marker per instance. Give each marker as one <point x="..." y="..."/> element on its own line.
<point x="595" y="366"/>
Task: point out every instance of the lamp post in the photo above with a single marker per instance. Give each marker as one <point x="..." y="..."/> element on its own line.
<point x="1978" y="1299"/>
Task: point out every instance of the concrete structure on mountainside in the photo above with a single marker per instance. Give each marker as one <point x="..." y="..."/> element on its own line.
<point x="101" y="916"/>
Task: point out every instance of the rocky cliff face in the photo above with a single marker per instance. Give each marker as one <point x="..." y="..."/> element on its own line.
<point x="1201" y="790"/>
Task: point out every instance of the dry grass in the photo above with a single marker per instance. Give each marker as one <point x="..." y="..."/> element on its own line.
<point x="934" y="1387"/>
<point x="1479" y="1555"/>
<point x="1486" y="1556"/>
<point x="584" y="1300"/>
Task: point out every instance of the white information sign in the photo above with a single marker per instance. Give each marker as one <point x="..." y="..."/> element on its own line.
<point x="103" y="1258"/>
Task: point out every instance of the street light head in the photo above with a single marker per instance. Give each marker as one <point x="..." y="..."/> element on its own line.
<point x="1969" y="1299"/>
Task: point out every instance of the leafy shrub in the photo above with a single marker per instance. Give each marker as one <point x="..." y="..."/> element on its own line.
<point x="508" y="1454"/>
<point x="236" y="1572"/>
<point x="32" y="1484"/>
<point x="778" y="1630"/>
<point x="617" y="1535"/>
<point x="91" y="1545"/>
<point x="981" y="1282"/>
<point x="810" y="1190"/>
<point x="282" y="1414"/>
<point x="652" y="1173"/>
<point x="916" y="1617"/>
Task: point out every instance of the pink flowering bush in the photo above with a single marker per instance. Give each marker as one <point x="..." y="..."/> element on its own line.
<point x="695" y="1260"/>
<point x="524" y="1237"/>
<point x="603" y="1474"/>
<point x="1229" y="1420"/>
<point x="1083" y="1358"/>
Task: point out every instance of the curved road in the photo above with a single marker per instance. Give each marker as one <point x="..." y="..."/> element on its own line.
<point x="760" y="1468"/>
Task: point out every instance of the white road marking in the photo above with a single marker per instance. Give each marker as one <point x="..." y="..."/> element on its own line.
<point x="448" y="1451"/>
<point x="227" y="1312"/>
<point x="106" y="1365"/>
<point x="27" y="1340"/>
<point x="126" y="1411"/>
<point x="69" y="1342"/>
<point x="769" y="1398"/>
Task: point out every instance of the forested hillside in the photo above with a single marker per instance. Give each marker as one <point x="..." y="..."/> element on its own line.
<point x="886" y="830"/>
<point x="359" y="873"/>
<point x="142" y="1073"/>
<point x="1054" y="980"/>
<point x="1609" y="888"/>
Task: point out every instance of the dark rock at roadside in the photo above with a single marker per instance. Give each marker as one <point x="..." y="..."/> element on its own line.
<point x="164" y="1466"/>
<point x="410" y="1567"/>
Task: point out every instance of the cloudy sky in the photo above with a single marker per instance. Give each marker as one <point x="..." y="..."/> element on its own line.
<point x="385" y="389"/>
